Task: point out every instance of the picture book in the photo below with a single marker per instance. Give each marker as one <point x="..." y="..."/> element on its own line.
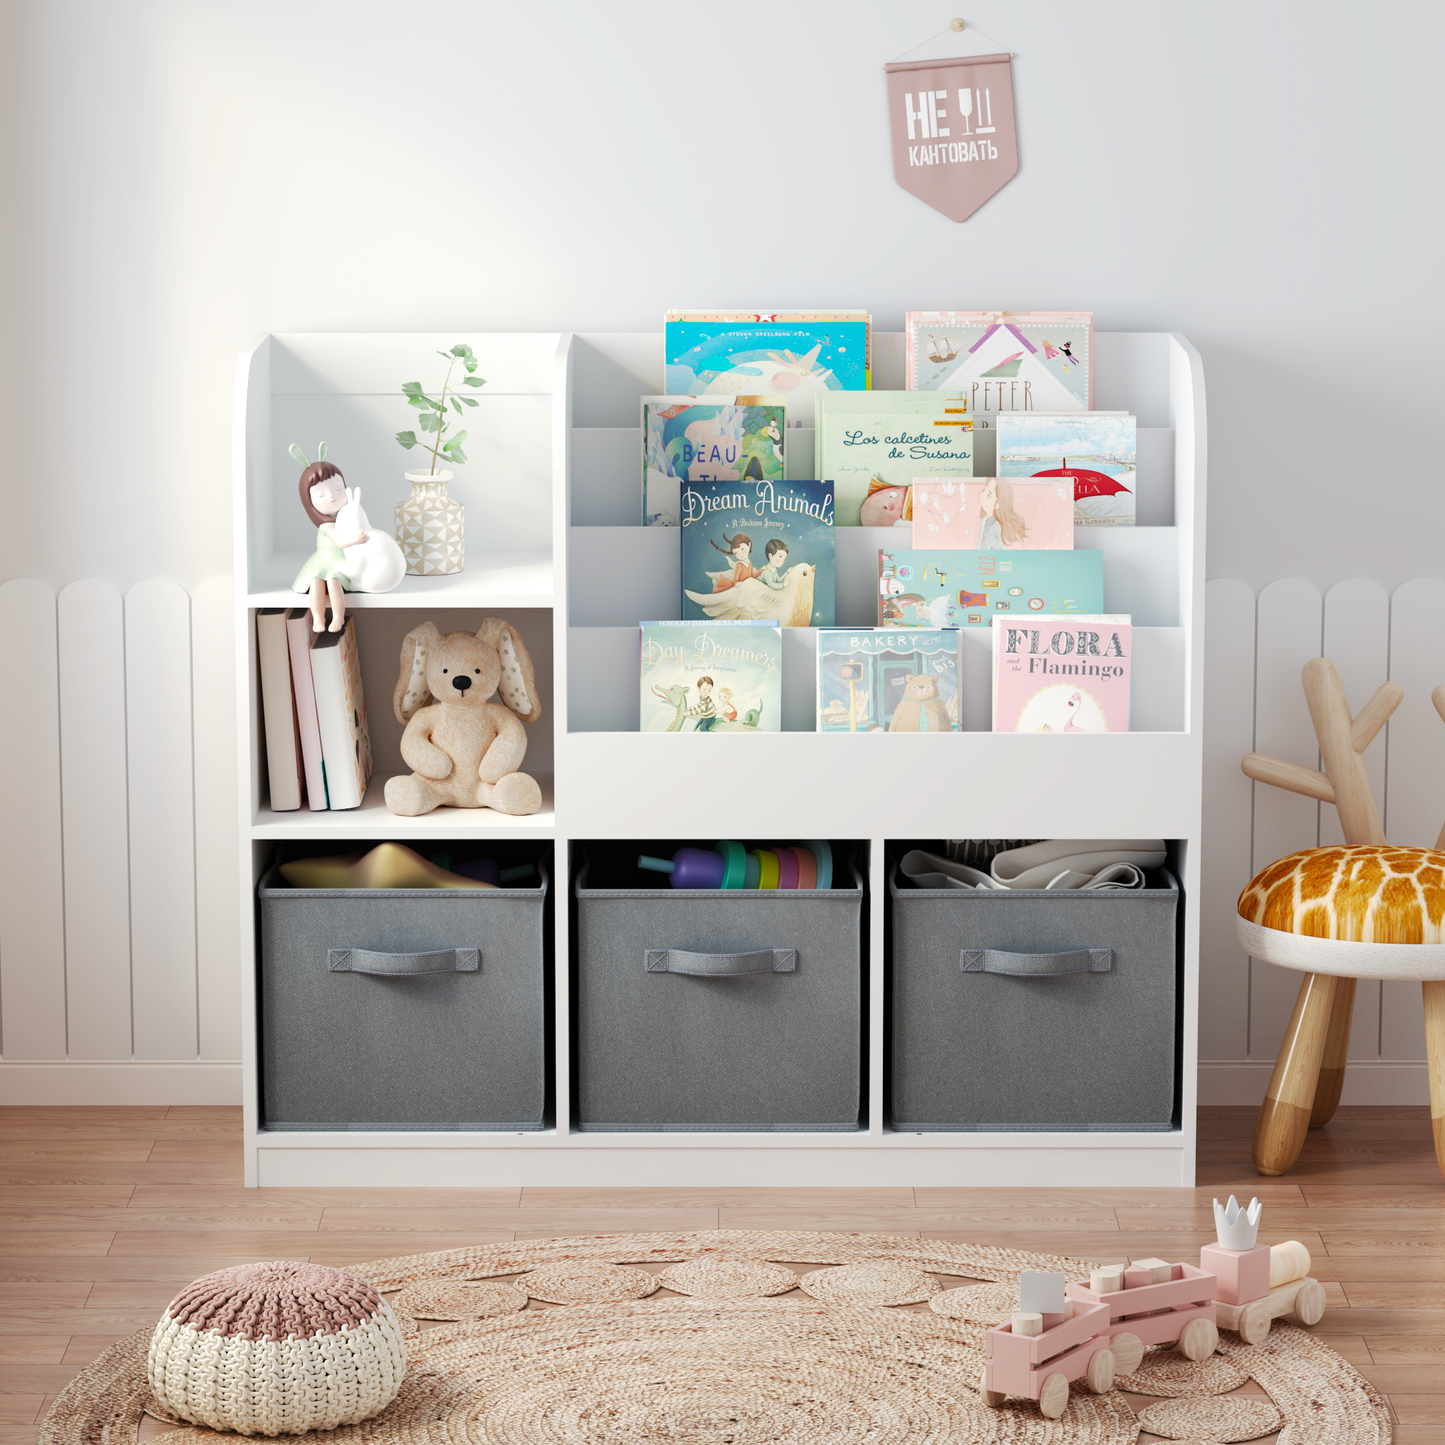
<point x="1005" y="361"/>
<point x="300" y="637"/>
<point x="797" y="353"/>
<point x="341" y="715"/>
<point x="874" y="448"/>
<point x="888" y="680"/>
<point x="937" y="588"/>
<point x="278" y="710"/>
<point x="992" y="514"/>
<point x="711" y="677"/>
<point x="758" y="550"/>
<point x="1097" y="450"/>
<point x="684" y="439"/>
<point x="1061" y="675"/>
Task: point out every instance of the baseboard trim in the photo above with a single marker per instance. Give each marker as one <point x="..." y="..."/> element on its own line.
<point x="1373" y="1082"/>
<point x="124" y="1081"/>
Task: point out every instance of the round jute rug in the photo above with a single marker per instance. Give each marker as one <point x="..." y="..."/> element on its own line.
<point x="787" y="1370"/>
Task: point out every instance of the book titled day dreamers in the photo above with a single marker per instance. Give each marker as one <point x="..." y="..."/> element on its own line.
<point x="711" y="677"/>
<point x="1062" y="675"/>
<point x="1004" y="361"/>
<point x="966" y="588"/>
<point x="797" y="353"/>
<point x="889" y="680"/>
<point x="685" y="439"/>
<point x="1096" y="451"/>
<point x="758" y="550"/>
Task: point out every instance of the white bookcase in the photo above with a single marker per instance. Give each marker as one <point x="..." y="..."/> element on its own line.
<point x="554" y="545"/>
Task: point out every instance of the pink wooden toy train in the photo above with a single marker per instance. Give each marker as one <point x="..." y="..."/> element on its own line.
<point x="1096" y="1331"/>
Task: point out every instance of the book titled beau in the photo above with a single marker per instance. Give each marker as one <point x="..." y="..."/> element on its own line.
<point x="1062" y="674"/>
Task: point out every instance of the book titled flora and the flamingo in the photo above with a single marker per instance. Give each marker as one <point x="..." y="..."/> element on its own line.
<point x="968" y="587"/>
<point x="796" y="353"/>
<point x="1034" y="514"/>
<point x="1005" y="361"/>
<point x="1096" y="451"/>
<point x="1062" y="675"/>
<point x="883" y="680"/>
<point x="711" y="677"/>
<point x="758" y="551"/>
<point x="686" y="439"/>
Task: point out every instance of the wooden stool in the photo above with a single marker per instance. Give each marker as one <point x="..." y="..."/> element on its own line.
<point x="1327" y="913"/>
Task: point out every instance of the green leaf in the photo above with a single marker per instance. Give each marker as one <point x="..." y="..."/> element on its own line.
<point x="461" y="349"/>
<point x="474" y="381"/>
<point x="419" y="402"/>
<point x="446" y="354"/>
<point x="407" y="439"/>
<point x="457" y="440"/>
<point x="456" y="406"/>
<point x="456" y="456"/>
<point x="429" y="422"/>
<point x="411" y="388"/>
<point x="470" y="366"/>
<point x="299" y="455"/>
<point x="467" y="401"/>
<point x="321" y="452"/>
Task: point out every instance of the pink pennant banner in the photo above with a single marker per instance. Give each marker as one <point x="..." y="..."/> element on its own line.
<point x="954" y="142"/>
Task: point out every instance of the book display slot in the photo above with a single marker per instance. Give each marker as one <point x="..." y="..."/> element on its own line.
<point x="556" y="547"/>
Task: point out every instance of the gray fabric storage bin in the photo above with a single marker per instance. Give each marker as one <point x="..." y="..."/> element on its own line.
<point x="402" y="1007"/>
<point x="1074" y="1030"/>
<point x="676" y="1030"/>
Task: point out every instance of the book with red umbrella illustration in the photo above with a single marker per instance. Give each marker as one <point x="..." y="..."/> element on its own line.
<point x="1096" y="451"/>
<point x="1086" y="482"/>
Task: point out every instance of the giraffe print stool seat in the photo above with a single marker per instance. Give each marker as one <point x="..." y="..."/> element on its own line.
<point x="1366" y="910"/>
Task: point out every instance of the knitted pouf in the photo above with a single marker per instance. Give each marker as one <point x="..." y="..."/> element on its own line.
<point x="277" y="1349"/>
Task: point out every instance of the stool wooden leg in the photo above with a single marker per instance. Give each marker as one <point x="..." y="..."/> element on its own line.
<point x="1284" y="1116"/>
<point x="1337" y="1052"/>
<point x="1434" y="992"/>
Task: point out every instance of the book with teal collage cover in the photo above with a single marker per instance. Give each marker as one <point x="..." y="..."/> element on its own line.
<point x="963" y="588"/>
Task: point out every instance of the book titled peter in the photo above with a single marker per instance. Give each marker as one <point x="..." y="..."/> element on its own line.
<point x="758" y="551"/>
<point x="711" y="677"/>
<point x="964" y="588"/>
<point x="1062" y="675"/>
<point x="888" y="680"/>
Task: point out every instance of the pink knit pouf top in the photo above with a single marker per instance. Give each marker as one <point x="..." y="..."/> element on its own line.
<point x="277" y="1348"/>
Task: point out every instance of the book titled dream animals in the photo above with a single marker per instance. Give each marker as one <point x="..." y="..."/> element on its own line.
<point x="888" y="680"/>
<point x="711" y="677"/>
<point x="1062" y="675"/>
<point x="758" y="550"/>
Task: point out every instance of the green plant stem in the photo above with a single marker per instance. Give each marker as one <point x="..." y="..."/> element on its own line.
<point x="442" y="416"/>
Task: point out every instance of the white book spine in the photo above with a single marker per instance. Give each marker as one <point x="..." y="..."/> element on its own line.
<point x="299" y="636"/>
<point x="327" y="675"/>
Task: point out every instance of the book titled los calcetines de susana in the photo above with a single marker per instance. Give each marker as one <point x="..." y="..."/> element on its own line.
<point x="966" y="588"/>
<point x="1062" y="674"/>
<point x="723" y="439"/>
<point x="758" y="551"/>
<point x="888" y="680"/>
<point x="711" y="677"/>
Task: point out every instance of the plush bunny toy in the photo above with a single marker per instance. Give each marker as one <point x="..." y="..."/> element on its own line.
<point x="465" y="749"/>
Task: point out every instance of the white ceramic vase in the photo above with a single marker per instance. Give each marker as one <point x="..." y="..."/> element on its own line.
<point x="430" y="527"/>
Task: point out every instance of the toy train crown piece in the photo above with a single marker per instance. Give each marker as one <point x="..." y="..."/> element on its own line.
<point x="1237" y="1228"/>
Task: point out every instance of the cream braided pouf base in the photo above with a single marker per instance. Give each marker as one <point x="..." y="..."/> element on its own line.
<point x="277" y="1349"/>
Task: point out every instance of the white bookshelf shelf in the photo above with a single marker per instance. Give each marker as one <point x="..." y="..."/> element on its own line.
<point x="553" y="498"/>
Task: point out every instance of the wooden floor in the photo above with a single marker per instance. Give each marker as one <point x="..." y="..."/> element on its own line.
<point x="108" y="1212"/>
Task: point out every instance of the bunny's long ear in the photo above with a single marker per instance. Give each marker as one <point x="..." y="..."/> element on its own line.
<point x="412" y="693"/>
<point x="518" y="684"/>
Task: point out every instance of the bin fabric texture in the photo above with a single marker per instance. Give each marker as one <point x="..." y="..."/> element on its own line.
<point x="1034" y="1008"/>
<point x="402" y="1007"/>
<point x="276" y="1349"/>
<point x="707" y="1010"/>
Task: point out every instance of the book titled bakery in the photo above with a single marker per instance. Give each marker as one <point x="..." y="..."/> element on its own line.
<point x="874" y="446"/>
<point x="758" y="551"/>
<point x="994" y="513"/>
<point x="886" y="680"/>
<point x="937" y="588"/>
<point x="1095" y="451"/>
<point x="341" y="715"/>
<point x="1005" y="361"/>
<point x="796" y="353"/>
<point x="685" y="439"/>
<point x="1062" y="675"/>
<point x="711" y="677"/>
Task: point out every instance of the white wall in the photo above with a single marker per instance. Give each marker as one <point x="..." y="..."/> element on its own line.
<point x="182" y="174"/>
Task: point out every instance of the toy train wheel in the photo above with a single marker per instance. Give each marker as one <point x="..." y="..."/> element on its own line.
<point x="1099" y="1376"/>
<point x="1054" y="1397"/>
<point x="992" y="1398"/>
<point x="1199" y="1340"/>
<point x="1254" y="1321"/>
<point x="1309" y="1305"/>
<point x="1128" y="1353"/>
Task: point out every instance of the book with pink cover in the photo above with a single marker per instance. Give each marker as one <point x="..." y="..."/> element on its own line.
<point x="299" y="637"/>
<point x="994" y="514"/>
<point x="1062" y="674"/>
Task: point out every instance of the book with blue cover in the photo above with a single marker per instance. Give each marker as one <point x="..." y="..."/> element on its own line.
<point x="967" y="588"/>
<point x="798" y="353"/>
<point x="758" y="550"/>
<point x="711" y="677"/>
<point x="888" y="680"/>
<point x="686" y="438"/>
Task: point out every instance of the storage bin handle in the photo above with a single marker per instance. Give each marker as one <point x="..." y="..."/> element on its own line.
<point x="1036" y="965"/>
<point x="720" y="965"/>
<point x="404" y="965"/>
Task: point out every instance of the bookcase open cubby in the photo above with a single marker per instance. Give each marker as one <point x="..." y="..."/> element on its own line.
<point x="554" y="544"/>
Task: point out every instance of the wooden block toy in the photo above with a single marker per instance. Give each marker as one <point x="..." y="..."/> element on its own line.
<point x="1041" y="1366"/>
<point x="1107" y="1280"/>
<point x="1027" y="1322"/>
<point x="1302" y="1301"/>
<point x="1161" y="1313"/>
<point x="1288" y="1261"/>
<point x="1243" y="1273"/>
